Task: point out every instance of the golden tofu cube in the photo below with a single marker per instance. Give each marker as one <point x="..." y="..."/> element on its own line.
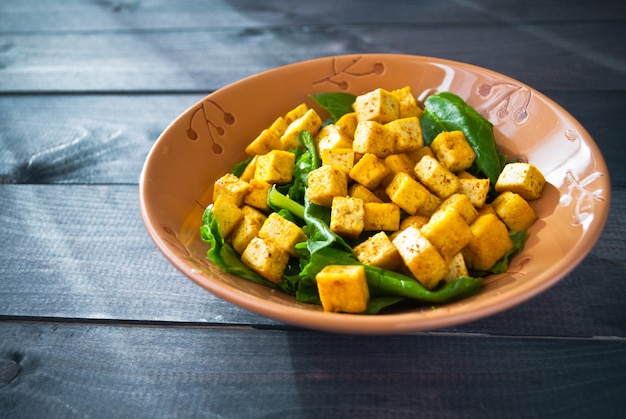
<point x="356" y="190"/>
<point x="275" y="167"/>
<point x="408" y="134"/>
<point x="453" y="150"/>
<point x="325" y="183"/>
<point x="266" y="258"/>
<point x="243" y="233"/>
<point x="268" y="139"/>
<point x="413" y="220"/>
<point x="347" y="123"/>
<point x="369" y="171"/>
<point x="373" y="138"/>
<point x="341" y="158"/>
<point x="257" y="194"/>
<point x="232" y="188"/>
<point x="407" y="193"/>
<point x="417" y="155"/>
<point x="522" y="178"/>
<point x="381" y="216"/>
<point x="408" y="103"/>
<point x="296" y="113"/>
<point x="378" y="105"/>
<point x="474" y="188"/>
<point x="490" y="241"/>
<point x="331" y="136"/>
<point x="421" y="257"/>
<point x="347" y="217"/>
<point x="514" y="211"/>
<point x="487" y="209"/>
<point x="430" y="205"/>
<point x="283" y="232"/>
<point x="248" y="172"/>
<point x="310" y="122"/>
<point x="253" y="213"/>
<point x="378" y="250"/>
<point x="448" y="231"/>
<point x="436" y="177"/>
<point x="397" y="163"/>
<point x="343" y="288"/>
<point x="227" y="214"/>
<point x="461" y="204"/>
<point x="458" y="268"/>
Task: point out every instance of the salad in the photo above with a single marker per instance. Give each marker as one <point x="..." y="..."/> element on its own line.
<point x="384" y="204"/>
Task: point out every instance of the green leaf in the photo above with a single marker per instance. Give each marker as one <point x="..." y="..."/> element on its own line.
<point x="336" y="103"/>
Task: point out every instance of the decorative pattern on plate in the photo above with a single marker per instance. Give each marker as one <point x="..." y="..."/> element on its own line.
<point x="505" y="100"/>
<point x="583" y="198"/>
<point x="347" y="68"/>
<point x="204" y="109"/>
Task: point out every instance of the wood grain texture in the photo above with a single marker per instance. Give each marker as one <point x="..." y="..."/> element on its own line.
<point x="191" y="372"/>
<point x="81" y="252"/>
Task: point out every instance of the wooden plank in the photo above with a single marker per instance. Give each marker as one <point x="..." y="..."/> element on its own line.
<point x="105" y="138"/>
<point x="81" y="252"/>
<point x="66" y="370"/>
<point x="207" y="59"/>
<point x="24" y="16"/>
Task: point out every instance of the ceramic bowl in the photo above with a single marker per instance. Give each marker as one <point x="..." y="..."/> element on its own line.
<point x="207" y="139"/>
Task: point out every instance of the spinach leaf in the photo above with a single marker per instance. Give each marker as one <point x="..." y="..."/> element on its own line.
<point x="446" y="111"/>
<point x="336" y="103"/>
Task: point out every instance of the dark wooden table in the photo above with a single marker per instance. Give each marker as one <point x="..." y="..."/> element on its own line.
<point x="94" y="322"/>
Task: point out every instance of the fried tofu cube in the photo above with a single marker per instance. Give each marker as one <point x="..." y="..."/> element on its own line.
<point x="490" y="241"/>
<point x="268" y="139"/>
<point x="330" y="137"/>
<point x="343" y="288"/>
<point x="275" y="167"/>
<point x="248" y="172"/>
<point x="257" y="194"/>
<point x="378" y="105"/>
<point x="310" y="122"/>
<point x="227" y="214"/>
<point x="266" y="258"/>
<point x="378" y="250"/>
<point x="408" y="133"/>
<point x="408" y="103"/>
<point x="476" y="189"/>
<point x="421" y="257"/>
<point x="436" y="177"/>
<point x="417" y="155"/>
<point x="283" y="232"/>
<point x="373" y="138"/>
<point x="407" y="193"/>
<point x="369" y="171"/>
<point x="458" y="268"/>
<point x="413" y="220"/>
<point x="243" y="233"/>
<point x="430" y="205"/>
<point x="522" y="178"/>
<point x="325" y="183"/>
<point x="514" y="211"/>
<point x="453" y="150"/>
<point x="486" y="209"/>
<point x="461" y="203"/>
<point x="296" y="113"/>
<point x="253" y="213"/>
<point x="347" y="123"/>
<point x="341" y="158"/>
<point x="356" y="190"/>
<point x="381" y="216"/>
<point x="347" y="217"/>
<point x="448" y="231"/>
<point x="397" y="163"/>
<point x="232" y="188"/>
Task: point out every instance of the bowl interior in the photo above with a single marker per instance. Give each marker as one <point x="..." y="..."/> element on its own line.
<point x="206" y="140"/>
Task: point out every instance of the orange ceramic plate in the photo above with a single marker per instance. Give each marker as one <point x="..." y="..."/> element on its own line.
<point x="206" y="140"/>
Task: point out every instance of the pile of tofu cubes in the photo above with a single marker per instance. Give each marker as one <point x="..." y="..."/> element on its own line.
<point x="423" y="214"/>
